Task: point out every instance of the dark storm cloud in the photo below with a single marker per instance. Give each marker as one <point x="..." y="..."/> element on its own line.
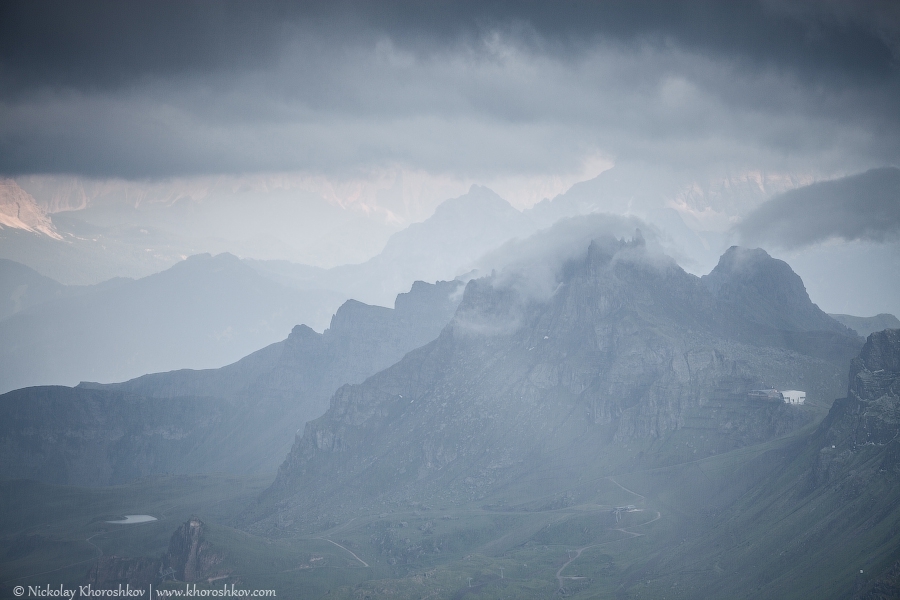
<point x="859" y="207"/>
<point x="162" y="88"/>
<point x="108" y="42"/>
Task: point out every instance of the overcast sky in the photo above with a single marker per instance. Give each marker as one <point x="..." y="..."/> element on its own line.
<point x="475" y="89"/>
<point x="526" y="97"/>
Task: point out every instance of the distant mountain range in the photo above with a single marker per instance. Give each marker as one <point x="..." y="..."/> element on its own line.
<point x="203" y="312"/>
<point x="238" y="419"/>
<point x="445" y="245"/>
<point x="867" y="325"/>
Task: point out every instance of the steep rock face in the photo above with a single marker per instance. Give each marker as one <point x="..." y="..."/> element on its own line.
<point x="624" y="358"/>
<point x="191" y="555"/>
<point x="873" y="395"/>
<point x="189" y="558"/>
<point x="867" y="421"/>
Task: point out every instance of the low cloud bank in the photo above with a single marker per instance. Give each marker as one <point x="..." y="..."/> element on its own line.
<point x="533" y="266"/>
<point x="862" y="207"/>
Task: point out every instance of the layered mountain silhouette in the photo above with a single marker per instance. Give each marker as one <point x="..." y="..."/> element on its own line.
<point x="587" y="394"/>
<point x="203" y="312"/>
<point x="866" y="325"/>
<point x="237" y="419"/>
<point x="445" y="245"/>
<point x="22" y="287"/>
<point x="628" y="361"/>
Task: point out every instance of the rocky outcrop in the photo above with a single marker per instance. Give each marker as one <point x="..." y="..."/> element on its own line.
<point x="626" y="357"/>
<point x="191" y="555"/>
<point x="190" y="558"/>
<point x="871" y="412"/>
<point x="867" y="422"/>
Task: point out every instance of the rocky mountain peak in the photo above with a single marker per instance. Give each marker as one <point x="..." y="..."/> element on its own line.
<point x="745" y="269"/>
<point x="756" y="287"/>
<point x="190" y="554"/>
<point x="874" y="389"/>
<point x="618" y="355"/>
<point x="870" y="414"/>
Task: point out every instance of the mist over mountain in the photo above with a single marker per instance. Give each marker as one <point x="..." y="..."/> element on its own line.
<point x="814" y="515"/>
<point x="450" y="300"/>
<point x="22" y="287"/>
<point x="237" y="419"/>
<point x="629" y="361"/>
<point x="445" y="245"/>
<point x="868" y="325"/>
<point x="203" y="312"/>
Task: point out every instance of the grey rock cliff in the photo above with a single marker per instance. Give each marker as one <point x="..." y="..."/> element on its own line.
<point x="867" y="421"/>
<point x="626" y="358"/>
<point x="191" y="555"/>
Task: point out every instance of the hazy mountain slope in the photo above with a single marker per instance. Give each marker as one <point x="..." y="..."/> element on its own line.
<point x="18" y="210"/>
<point x="815" y="518"/>
<point x="205" y="311"/>
<point x="691" y="209"/>
<point x="85" y="258"/>
<point x="114" y="228"/>
<point x="241" y="418"/>
<point x="866" y="325"/>
<point x="361" y="340"/>
<point x="762" y="301"/>
<point x="22" y="287"/>
<point x="627" y="361"/>
<point x="442" y="247"/>
<point x="98" y="437"/>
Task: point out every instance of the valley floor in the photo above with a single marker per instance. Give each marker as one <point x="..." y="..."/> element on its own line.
<point x="670" y="532"/>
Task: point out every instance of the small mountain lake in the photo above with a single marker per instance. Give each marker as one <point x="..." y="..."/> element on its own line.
<point x="132" y="519"/>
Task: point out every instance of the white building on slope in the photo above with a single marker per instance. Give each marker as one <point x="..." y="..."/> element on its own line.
<point x="793" y="396"/>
